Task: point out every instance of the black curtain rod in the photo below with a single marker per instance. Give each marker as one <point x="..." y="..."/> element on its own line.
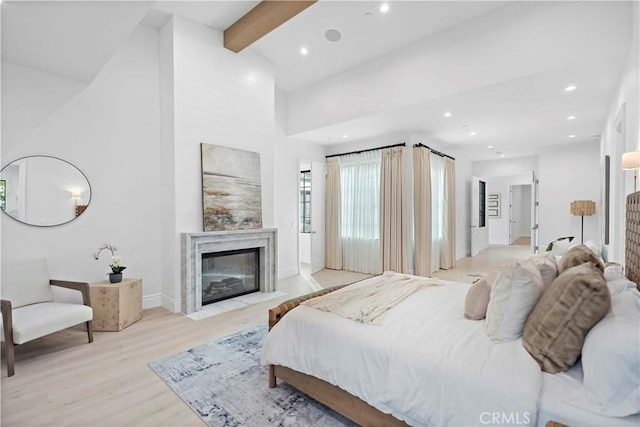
<point x="433" y="151"/>
<point x="369" y="149"/>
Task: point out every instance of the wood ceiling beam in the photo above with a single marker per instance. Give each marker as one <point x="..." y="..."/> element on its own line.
<point x="261" y="20"/>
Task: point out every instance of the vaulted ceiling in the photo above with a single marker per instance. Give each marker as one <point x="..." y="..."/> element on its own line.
<point x="499" y="68"/>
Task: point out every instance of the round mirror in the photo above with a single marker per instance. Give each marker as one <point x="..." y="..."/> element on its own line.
<point x="43" y="191"/>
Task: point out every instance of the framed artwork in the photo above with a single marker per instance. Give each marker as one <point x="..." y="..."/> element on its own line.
<point x="493" y="210"/>
<point x="231" y="188"/>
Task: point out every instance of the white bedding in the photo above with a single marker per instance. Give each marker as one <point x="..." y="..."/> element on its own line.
<point x="426" y="364"/>
<point x="559" y="389"/>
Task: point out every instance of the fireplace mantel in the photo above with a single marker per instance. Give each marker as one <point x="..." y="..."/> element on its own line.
<point x="193" y="245"/>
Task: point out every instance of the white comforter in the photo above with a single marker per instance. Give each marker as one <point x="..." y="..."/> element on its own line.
<point x="426" y="365"/>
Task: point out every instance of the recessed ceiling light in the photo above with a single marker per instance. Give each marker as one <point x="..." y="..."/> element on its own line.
<point x="472" y="133"/>
<point x="501" y="155"/>
<point x="384" y="8"/>
<point x="447" y="114"/>
<point x="251" y="77"/>
<point x="571" y="117"/>
<point x="368" y="15"/>
<point x="572" y="136"/>
<point x="304" y="50"/>
<point x="570" y="88"/>
<point x="490" y="147"/>
<point x="345" y="136"/>
<point x="332" y="35"/>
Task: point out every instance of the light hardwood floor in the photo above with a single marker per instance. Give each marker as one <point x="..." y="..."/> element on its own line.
<point x="61" y="380"/>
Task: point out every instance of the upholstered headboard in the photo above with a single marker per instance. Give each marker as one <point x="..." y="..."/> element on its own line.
<point x="632" y="239"/>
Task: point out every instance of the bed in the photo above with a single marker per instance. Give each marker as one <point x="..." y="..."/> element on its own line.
<point x="427" y="365"/>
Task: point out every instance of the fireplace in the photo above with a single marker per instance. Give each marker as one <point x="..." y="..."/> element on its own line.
<point x="230" y="274"/>
<point x="194" y="249"/>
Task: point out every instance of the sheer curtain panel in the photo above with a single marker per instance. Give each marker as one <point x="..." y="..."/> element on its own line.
<point x="360" y="208"/>
<point x="437" y="210"/>
<point x="332" y="215"/>
<point x="393" y="210"/>
<point x="422" y="210"/>
<point x="448" y="246"/>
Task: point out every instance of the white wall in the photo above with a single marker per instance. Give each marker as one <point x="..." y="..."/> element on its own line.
<point x="219" y="97"/>
<point x="29" y="97"/>
<point x="626" y="103"/>
<point x="505" y="167"/>
<point x="110" y="131"/>
<point x="568" y="172"/>
<point x="288" y="151"/>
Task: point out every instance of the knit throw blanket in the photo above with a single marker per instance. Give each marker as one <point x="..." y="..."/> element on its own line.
<point x="368" y="301"/>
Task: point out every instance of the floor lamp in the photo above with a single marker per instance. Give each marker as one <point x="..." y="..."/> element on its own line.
<point x="631" y="161"/>
<point x="582" y="208"/>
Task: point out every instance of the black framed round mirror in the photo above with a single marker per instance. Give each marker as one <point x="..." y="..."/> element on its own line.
<point x="43" y="191"/>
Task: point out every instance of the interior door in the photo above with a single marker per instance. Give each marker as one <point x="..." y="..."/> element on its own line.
<point x="535" y="204"/>
<point x="318" y="182"/>
<point x="479" y="231"/>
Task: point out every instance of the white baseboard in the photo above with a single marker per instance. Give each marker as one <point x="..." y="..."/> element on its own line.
<point x="287" y="272"/>
<point x="150" y="301"/>
<point x="173" y="305"/>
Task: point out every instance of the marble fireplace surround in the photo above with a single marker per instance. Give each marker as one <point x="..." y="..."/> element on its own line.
<point x="193" y="245"/>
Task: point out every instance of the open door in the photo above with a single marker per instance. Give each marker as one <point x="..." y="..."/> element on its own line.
<point x="479" y="231"/>
<point x="318" y="183"/>
<point x="535" y="204"/>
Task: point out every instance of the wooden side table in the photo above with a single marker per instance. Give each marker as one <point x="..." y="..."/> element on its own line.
<point x="116" y="305"/>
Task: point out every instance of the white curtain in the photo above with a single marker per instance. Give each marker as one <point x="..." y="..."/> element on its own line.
<point x="438" y="211"/>
<point x="393" y="210"/>
<point x="422" y="210"/>
<point x="448" y="250"/>
<point x="333" y="247"/>
<point x="360" y="207"/>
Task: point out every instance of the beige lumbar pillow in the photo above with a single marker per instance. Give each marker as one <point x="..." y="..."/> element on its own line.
<point x="514" y="293"/>
<point x="477" y="299"/>
<point x="570" y="307"/>
<point x="577" y="255"/>
<point x="546" y="263"/>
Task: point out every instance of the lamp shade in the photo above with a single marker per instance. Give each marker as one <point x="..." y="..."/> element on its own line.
<point x="76" y="194"/>
<point x="583" y="207"/>
<point x="631" y="160"/>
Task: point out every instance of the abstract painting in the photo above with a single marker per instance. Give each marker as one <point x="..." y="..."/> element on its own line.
<point x="231" y="190"/>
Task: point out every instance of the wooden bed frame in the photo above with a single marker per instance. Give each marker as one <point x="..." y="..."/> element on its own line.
<point x="364" y="414"/>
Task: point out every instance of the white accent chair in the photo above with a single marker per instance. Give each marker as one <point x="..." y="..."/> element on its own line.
<point x="28" y="307"/>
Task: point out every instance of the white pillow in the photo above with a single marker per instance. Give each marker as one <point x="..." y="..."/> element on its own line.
<point x="595" y="247"/>
<point x="546" y="263"/>
<point x="616" y="280"/>
<point x="611" y="361"/>
<point x="515" y="292"/>
<point x="560" y="247"/>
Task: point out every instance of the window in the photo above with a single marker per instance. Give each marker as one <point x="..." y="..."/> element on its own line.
<point x="305" y="201"/>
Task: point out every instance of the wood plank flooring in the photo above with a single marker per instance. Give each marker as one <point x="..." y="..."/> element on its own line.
<point x="61" y="380"/>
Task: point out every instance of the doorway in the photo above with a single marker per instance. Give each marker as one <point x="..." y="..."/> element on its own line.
<point x="520" y="221"/>
<point x="311" y="204"/>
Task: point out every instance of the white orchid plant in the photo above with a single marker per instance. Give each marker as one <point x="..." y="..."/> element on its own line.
<point x="115" y="259"/>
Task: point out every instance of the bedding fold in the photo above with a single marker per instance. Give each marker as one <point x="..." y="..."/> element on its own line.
<point x="368" y="302"/>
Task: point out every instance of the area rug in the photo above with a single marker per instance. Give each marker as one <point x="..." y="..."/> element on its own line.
<point x="224" y="383"/>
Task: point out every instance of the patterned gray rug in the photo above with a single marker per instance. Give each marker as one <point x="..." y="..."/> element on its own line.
<point x="224" y="383"/>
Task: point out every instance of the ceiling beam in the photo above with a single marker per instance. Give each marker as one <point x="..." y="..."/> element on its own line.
<point x="261" y="20"/>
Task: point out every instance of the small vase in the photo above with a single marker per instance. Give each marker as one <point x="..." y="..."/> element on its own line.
<point x="115" y="277"/>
